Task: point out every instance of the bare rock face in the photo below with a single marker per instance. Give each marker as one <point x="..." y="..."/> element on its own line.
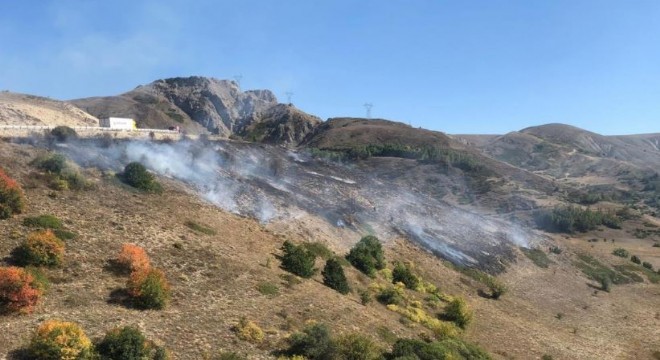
<point x="280" y="124"/>
<point x="218" y="105"/>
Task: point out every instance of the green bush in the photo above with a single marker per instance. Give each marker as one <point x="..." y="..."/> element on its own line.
<point x="334" y="277"/>
<point x="267" y="288"/>
<point x="137" y="176"/>
<point x="53" y="163"/>
<point x="41" y="248"/>
<point x="403" y="274"/>
<point x="367" y="255"/>
<point x="454" y="349"/>
<point x="357" y="347"/>
<point x="43" y="221"/>
<point x="392" y="295"/>
<point x="126" y="343"/>
<point x="538" y="257"/>
<point x="319" y="249"/>
<point x="298" y="260"/>
<point x="635" y="259"/>
<point x="314" y="342"/>
<point x="647" y="265"/>
<point x="63" y="133"/>
<point x="365" y="296"/>
<point x="621" y="252"/>
<point x="149" y="289"/>
<point x="605" y="283"/>
<point x="570" y="219"/>
<point x="458" y="312"/>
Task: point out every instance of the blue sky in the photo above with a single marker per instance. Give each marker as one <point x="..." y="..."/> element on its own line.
<point x="489" y="66"/>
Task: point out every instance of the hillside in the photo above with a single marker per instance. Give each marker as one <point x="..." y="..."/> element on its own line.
<point x="216" y="274"/>
<point x="23" y="109"/>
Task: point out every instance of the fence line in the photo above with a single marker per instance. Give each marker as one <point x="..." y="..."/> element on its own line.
<point x="48" y="127"/>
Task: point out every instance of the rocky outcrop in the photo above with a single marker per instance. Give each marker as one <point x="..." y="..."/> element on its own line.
<point x="197" y="104"/>
<point x="280" y="124"/>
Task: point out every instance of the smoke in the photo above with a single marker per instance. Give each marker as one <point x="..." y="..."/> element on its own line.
<point x="274" y="184"/>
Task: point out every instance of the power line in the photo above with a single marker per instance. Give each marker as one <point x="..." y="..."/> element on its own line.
<point x="289" y="94"/>
<point x="368" y="106"/>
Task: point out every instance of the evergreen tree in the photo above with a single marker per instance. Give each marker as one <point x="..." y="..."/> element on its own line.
<point x="298" y="260"/>
<point x="333" y="276"/>
<point x="367" y="255"/>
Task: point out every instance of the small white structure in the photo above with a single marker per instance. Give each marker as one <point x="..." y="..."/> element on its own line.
<point x="118" y="123"/>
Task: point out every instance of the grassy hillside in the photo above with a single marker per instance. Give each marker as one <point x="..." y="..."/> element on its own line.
<point x="223" y="268"/>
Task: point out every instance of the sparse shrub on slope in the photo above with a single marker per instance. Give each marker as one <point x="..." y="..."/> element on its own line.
<point x="133" y="258"/>
<point x="367" y="255"/>
<point x="459" y="312"/>
<point x="404" y="274"/>
<point x="621" y="252"/>
<point x="357" y="347"/>
<point x="60" y="340"/>
<point x="63" y="175"/>
<point x="137" y="176"/>
<point x="19" y="291"/>
<point x="314" y="343"/>
<point x="43" y="221"/>
<point x="149" y="289"/>
<point x="12" y="200"/>
<point x="247" y="330"/>
<point x="298" y="260"/>
<point x="128" y="343"/>
<point x="63" y="133"/>
<point x="570" y="219"/>
<point x="334" y="277"/>
<point x="448" y="349"/>
<point x="635" y="259"/>
<point x="41" y="248"/>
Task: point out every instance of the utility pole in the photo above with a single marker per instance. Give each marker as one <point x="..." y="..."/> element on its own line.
<point x="368" y="106"/>
<point x="238" y="79"/>
<point x="289" y="94"/>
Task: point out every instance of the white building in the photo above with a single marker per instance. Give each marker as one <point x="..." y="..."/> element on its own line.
<point x="118" y="123"/>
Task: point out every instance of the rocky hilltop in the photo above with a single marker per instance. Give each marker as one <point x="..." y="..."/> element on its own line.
<point x="206" y="105"/>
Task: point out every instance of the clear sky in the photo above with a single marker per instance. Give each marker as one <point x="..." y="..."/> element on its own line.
<point x="488" y="66"/>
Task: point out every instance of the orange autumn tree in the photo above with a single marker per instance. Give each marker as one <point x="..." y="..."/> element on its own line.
<point x="18" y="290"/>
<point x="133" y="258"/>
<point x="12" y="200"/>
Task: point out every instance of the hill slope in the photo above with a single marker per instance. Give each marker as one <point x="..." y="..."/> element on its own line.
<point x="23" y="109"/>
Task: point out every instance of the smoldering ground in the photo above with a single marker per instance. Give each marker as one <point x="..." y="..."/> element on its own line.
<point x="273" y="184"/>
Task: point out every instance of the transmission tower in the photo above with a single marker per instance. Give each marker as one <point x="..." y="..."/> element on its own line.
<point x="238" y="79"/>
<point x="289" y="94"/>
<point x="368" y="106"/>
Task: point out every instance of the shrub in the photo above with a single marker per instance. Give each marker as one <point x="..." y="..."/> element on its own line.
<point x="319" y="249"/>
<point x="314" y="342"/>
<point x="19" y="291"/>
<point x="133" y="258"/>
<point x="555" y="250"/>
<point x="59" y="340"/>
<point x="249" y="331"/>
<point x="137" y="176"/>
<point x="570" y="219"/>
<point x="126" y="343"/>
<point x="298" y="260"/>
<point x="41" y="248"/>
<point x="391" y="295"/>
<point x="12" y="200"/>
<point x="647" y="265"/>
<point x="43" y="221"/>
<point x="605" y="283"/>
<point x="266" y="288"/>
<point x="63" y="133"/>
<point x="334" y="277"/>
<point x="458" y="312"/>
<point x="367" y="255"/>
<point x="149" y="289"/>
<point x="230" y="356"/>
<point x="53" y="163"/>
<point x="621" y="252"/>
<point x="357" y="347"/>
<point x="455" y="349"/>
<point x="365" y="296"/>
<point x="635" y="259"/>
<point x="403" y="274"/>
